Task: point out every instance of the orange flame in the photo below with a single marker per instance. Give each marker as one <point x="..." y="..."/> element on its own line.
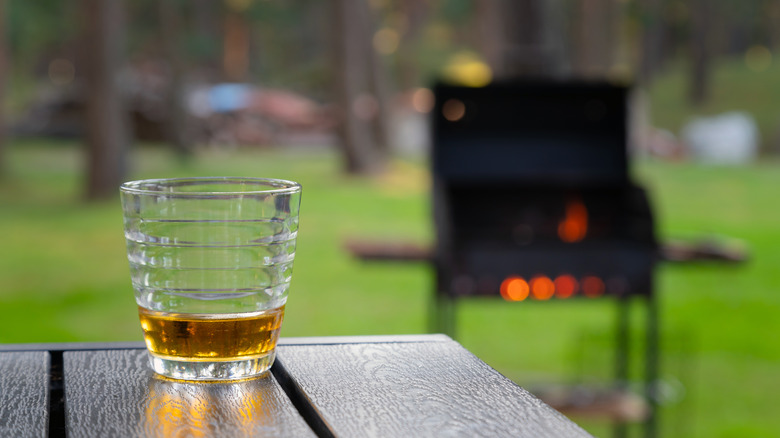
<point x="542" y="287"/>
<point x="514" y="289"/>
<point x="574" y="226"/>
<point x="566" y="286"/>
<point x="593" y="287"/>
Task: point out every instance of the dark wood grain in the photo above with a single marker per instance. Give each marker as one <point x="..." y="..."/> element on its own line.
<point x="373" y="339"/>
<point x="69" y="346"/>
<point x="114" y="393"/>
<point x="65" y="346"/>
<point x="24" y="395"/>
<point x="417" y="389"/>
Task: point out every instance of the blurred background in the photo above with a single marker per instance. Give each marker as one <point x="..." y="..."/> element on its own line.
<point x="337" y="95"/>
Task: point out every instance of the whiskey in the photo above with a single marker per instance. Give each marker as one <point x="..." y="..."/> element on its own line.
<point x="211" y="337"/>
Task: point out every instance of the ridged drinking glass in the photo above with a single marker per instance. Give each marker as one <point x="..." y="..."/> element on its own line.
<point x="211" y="261"/>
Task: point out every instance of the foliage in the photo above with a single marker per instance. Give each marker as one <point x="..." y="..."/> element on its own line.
<point x="36" y="27"/>
<point x="289" y="41"/>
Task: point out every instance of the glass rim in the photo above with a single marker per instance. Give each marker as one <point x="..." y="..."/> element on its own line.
<point x="265" y="186"/>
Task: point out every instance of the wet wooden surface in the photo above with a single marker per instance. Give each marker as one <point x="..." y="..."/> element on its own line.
<point x="114" y="393"/>
<point x="24" y="394"/>
<point x="424" y="388"/>
<point x="389" y="386"/>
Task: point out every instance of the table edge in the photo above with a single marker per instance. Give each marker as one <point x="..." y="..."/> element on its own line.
<point x="311" y="340"/>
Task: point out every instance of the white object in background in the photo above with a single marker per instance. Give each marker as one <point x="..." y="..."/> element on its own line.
<point x="729" y="138"/>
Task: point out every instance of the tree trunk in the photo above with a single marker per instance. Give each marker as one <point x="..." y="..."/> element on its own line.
<point x="4" y="73"/>
<point x="379" y="85"/>
<point x="770" y="18"/>
<point x="236" y="46"/>
<point x="522" y="37"/>
<point x="351" y="74"/>
<point x="176" y="126"/>
<point x="700" y="51"/>
<point x="416" y="13"/>
<point x="490" y="33"/>
<point x="595" y="38"/>
<point x="206" y="25"/>
<point x="106" y="117"/>
<point x="651" y="39"/>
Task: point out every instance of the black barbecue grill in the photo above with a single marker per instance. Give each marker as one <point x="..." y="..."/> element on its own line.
<point x="531" y="181"/>
<point x="533" y="199"/>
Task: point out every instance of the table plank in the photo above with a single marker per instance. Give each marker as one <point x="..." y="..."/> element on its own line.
<point x="114" y="393"/>
<point x="24" y="394"/>
<point x="416" y="389"/>
<point x="135" y="345"/>
<point x="65" y="346"/>
<point x="370" y="339"/>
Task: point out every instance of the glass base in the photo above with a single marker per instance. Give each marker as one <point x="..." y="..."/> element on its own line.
<point x="212" y="370"/>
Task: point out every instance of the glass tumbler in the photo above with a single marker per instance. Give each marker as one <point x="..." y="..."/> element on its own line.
<point x="211" y="261"/>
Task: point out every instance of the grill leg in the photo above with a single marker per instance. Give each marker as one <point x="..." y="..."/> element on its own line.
<point x="651" y="366"/>
<point x="651" y="361"/>
<point x="442" y="319"/>
<point x="621" y="355"/>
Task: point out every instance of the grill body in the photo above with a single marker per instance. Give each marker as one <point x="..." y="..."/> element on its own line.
<point x="531" y="185"/>
<point x="531" y="180"/>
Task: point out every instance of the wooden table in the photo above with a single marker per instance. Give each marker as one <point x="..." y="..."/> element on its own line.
<point x="387" y="386"/>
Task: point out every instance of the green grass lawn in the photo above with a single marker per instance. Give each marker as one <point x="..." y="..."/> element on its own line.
<point x="64" y="276"/>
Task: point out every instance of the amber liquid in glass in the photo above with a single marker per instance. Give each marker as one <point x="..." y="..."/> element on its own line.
<point x="212" y="337"/>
